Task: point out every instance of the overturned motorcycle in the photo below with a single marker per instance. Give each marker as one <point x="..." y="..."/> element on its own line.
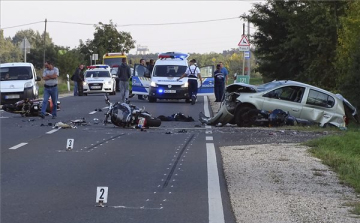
<point x="29" y="107"/>
<point x="128" y="115"/>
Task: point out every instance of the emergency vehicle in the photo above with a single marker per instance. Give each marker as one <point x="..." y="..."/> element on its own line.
<point x="98" y="79"/>
<point x="163" y="84"/>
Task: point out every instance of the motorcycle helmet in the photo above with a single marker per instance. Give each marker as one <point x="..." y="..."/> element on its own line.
<point x="277" y="118"/>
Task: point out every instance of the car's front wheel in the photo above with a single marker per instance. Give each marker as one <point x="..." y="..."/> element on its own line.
<point x="245" y="116"/>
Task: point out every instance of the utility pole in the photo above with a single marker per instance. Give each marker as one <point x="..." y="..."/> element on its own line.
<point x="243" y="72"/>
<point x="249" y="59"/>
<point x="45" y="40"/>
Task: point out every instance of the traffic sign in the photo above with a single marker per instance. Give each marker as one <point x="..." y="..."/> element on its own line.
<point x="244" y="48"/>
<point x="247" y="54"/>
<point x="244" y="41"/>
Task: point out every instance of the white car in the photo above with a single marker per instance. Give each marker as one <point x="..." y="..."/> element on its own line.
<point x="98" y="79"/>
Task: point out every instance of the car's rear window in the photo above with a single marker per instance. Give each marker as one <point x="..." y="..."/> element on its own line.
<point x="169" y="71"/>
<point x="320" y="99"/>
<point x="91" y="73"/>
<point x="15" y="73"/>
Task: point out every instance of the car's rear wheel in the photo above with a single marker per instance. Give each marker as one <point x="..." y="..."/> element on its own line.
<point x="245" y="116"/>
<point x="187" y="100"/>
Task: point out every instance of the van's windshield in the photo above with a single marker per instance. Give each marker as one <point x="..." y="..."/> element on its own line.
<point x="15" y="73"/>
<point x="169" y="71"/>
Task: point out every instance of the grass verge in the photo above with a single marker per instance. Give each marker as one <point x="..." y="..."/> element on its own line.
<point x="62" y="87"/>
<point x="342" y="153"/>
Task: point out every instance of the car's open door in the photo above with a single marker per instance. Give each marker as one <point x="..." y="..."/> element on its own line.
<point x="207" y="86"/>
<point x="140" y="80"/>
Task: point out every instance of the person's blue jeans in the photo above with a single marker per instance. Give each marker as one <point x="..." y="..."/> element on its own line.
<point x="75" y="88"/>
<point x="53" y="93"/>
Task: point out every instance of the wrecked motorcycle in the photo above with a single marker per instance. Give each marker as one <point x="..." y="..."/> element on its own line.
<point x="29" y="107"/>
<point x="128" y="115"/>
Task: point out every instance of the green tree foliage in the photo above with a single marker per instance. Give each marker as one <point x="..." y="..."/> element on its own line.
<point x="297" y="40"/>
<point x="107" y="39"/>
<point x="348" y="54"/>
<point x="8" y="52"/>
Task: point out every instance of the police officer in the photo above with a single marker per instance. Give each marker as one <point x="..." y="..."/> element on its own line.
<point x="193" y="73"/>
<point x="219" y="83"/>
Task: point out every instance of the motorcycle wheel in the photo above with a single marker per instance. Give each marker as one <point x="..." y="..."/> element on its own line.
<point x="152" y="122"/>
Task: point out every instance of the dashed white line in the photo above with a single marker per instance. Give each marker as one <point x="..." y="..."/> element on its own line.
<point x="93" y="112"/>
<point x="19" y="145"/>
<point x="209" y="138"/>
<point x="54" y="130"/>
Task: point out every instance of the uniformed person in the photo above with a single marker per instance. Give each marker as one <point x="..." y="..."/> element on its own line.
<point x="193" y="73"/>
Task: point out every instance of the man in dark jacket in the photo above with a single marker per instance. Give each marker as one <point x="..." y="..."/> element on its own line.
<point x="79" y="79"/>
<point x="124" y="74"/>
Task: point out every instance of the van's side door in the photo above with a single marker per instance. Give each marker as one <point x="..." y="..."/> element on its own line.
<point x="140" y="80"/>
<point x="207" y="86"/>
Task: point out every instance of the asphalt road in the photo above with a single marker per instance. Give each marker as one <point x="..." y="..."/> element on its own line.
<point x="167" y="174"/>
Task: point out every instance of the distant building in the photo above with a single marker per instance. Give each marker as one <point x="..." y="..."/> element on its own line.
<point x="142" y="50"/>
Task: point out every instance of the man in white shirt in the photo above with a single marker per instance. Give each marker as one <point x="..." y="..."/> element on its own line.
<point x="193" y="73"/>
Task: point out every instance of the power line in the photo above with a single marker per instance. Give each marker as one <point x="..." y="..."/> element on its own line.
<point x="22" y="25"/>
<point x="144" y="24"/>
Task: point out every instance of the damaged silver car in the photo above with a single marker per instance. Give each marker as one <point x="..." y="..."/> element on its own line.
<point x="246" y="104"/>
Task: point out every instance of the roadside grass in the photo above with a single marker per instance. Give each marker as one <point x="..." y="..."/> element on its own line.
<point x="253" y="81"/>
<point x="342" y="153"/>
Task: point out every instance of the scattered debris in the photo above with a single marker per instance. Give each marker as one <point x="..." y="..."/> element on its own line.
<point x="182" y="131"/>
<point x="198" y="126"/>
<point x="176" y="117"/>
<point x="79" y="122"/>
<point x="62" y="125"/>
<point x="168" y="132"/>
<point x="98" y="109"/>
<point x="96" y="121"/>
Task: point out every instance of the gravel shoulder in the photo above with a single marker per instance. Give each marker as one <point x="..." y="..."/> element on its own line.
<point x="282" y="182"/>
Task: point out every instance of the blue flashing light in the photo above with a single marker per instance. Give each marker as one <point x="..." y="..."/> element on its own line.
<point x="173" y="55"/>
<point x="160" y="90"/>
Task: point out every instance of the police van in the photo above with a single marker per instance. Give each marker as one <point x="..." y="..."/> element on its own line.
<point x="162" y="82"/>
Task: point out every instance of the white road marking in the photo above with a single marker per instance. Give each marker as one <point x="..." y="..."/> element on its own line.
<point x="105" y="107"/>
<point x="206" y="107"/>
<point x="19" y="145"/>
<point x="209" y="138"/>
<point x="216" y="212"/>
<point x="4" y="117"/>
<point x="93" y="112"/>
<point x="54" y="130"/>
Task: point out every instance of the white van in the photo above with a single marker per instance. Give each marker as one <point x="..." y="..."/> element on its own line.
<point x="18" y="82"/>
<point x="163" y="84"/>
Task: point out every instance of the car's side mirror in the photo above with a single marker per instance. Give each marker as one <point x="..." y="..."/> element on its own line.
<point x="38" y="78"/>
<point x="114" y="76"/>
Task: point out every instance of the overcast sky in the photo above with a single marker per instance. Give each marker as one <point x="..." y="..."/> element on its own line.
<point x="195" y="37"/>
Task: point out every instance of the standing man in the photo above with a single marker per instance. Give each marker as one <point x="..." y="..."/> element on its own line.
<point x="124" y="74"/>
<point x="142" y="71"/>
<point x="219" y="84"/>
<point x="78" y="80"/>
<point x="150" y="66"/>
<point x="193" y="73"/>
<point x="50" y="76"/>
<point x="225" y="72"/>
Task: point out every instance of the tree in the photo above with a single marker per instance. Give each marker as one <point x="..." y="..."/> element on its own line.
<point x="107" y="39"/>
<point x="289" y="48"/>
<point x="348" y="54"/>
<point x="8" y="52"/>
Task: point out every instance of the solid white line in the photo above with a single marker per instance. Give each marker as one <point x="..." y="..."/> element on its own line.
<point x="93" y="112"/>
<point x="19" y="145"/>
<point x="52" y="131"/>
<point x="206" y="107"/>
<point x="216" y="212"/>
<point x="4" y="117"/>
<point x="209" y="138"/>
